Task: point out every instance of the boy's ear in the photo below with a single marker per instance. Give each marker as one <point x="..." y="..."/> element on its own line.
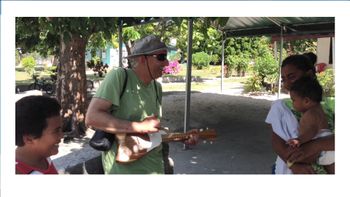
<point x="28" y="139"/>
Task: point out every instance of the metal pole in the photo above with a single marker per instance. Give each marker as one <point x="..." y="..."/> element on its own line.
<point x="222" y="62"/>
<point x="333" y="52"/>
<point x="120" y="41"/>
<point x="275" y="49"/>
<point x="280" y="63"/>
<point x="188" y="78"/>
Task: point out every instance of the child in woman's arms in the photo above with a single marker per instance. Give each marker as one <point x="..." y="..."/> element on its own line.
<point x="306" y="95"/>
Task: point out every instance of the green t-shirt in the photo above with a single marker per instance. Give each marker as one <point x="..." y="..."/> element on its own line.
<point x="138" y="102"/>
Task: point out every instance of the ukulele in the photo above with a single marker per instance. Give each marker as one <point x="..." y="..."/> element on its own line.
<point x="135" y="146"/>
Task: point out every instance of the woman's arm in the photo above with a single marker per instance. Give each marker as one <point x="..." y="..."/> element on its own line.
<point x="280" y="147"/>
<point x="310" y="151"/>
<point x="284" y="152"/>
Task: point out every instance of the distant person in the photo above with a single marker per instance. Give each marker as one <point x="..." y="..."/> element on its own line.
<point x="38" y="134"/>
<point x="306" y="95"/>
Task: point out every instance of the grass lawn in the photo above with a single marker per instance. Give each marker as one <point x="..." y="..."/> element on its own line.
<point x="212" y="72"/>
<point x="23" y="78"/>
<point x="200" y="86"/>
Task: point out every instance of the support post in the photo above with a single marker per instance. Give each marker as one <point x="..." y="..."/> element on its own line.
<point x="222" y="62"/>
<point x="120" y="41"/>
<point x="280" y="63"/>
<point x="188" y="78"/>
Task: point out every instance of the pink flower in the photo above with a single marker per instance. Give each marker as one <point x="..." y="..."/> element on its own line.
<point x="173" y="68"/>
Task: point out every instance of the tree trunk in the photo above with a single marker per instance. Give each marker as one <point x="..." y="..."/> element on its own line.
<point x="55" y="61"/>
<point x="128" y="49"/>
<point x="71" y="85"/>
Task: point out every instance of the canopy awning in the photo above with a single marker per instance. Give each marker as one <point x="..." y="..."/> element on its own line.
<point x="279" y="28"/>
<point x="271" y="26"/>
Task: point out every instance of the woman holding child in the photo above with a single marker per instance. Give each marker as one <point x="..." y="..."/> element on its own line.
<point x="284" y="122"/>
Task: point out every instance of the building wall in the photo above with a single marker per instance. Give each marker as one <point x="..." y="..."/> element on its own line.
<point x="114" y="57"/>
<point x="324" y="51"/>
<point x="110" y="56"/>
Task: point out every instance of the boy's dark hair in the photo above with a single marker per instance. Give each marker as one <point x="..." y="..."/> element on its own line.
<point x="308" y="87"/>
<point x="301" y="62"/>
<point x="312" y="56"/>
<point x="31" y="116"/>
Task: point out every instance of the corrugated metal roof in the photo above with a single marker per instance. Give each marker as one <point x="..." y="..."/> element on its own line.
<point x="271" y="26"/>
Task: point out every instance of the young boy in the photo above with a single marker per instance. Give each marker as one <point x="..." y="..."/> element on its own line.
<point x="306" y="95"/>
<point x="38" y="133"/>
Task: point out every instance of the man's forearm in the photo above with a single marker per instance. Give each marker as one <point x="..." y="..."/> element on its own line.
<point x="110" y="124"/>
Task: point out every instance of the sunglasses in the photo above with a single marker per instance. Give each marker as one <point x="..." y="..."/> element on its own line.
<point x="160" y="57"/>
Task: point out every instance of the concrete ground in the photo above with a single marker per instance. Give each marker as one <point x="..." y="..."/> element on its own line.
<point x="243" y="144"/>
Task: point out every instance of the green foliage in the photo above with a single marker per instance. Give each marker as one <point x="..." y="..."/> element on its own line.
<point x="206" y="37"/>
<point x="230" y="65"/>
<point x="239" y="63"/>
<point x="265" y="74"/>
<point x="43" y="34"/>
<point x="98" y="67"/>
<point x="51" y="71"/>
<point x="214" y="59"/>
<point x="200" y="60"/>
<point x="251" y="46"/>
<point x="96" y="41"/>
<point x="253" y="84"/>
<point x="301" y="46"/>
<point x="266" y="67"/>
<point x="130" y="33"/>
<point x="212" y="42"/>
<point x="241" y="50"/>
<point x="326" y="80"/>
<point x="28" y="64"/>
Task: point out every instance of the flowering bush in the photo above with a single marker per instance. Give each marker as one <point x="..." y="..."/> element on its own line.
<point x="326" y="80"/>
<point x="173" y="68"/>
